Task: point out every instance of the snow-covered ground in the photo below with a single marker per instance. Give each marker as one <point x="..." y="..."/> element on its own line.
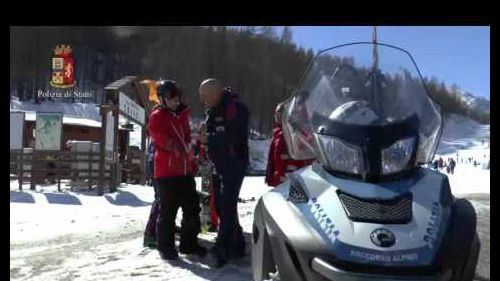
<point x="467" y="178"/>
<point x="461" y="139"/>
<point x="80" y="236"/>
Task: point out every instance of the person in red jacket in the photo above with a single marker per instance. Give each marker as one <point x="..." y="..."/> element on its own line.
<point x="279" y="162"/>
<point x="174" y="170"/>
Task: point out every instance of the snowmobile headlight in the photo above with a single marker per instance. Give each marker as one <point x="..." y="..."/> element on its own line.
<point x="396" y="157"/>
<point x="340" y="156"/>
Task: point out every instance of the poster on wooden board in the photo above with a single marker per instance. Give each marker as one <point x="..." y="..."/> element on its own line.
<point x="48" y="132"/>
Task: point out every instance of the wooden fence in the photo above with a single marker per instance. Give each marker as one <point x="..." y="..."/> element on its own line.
<point x="37" y="166"/>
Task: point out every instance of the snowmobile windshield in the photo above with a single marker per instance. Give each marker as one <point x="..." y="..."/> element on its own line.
<point x="363" y="109"/>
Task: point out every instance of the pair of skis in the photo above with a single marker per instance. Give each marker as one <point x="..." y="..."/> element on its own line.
<point x="207" y="218"/>
<point x="205" y="196"/>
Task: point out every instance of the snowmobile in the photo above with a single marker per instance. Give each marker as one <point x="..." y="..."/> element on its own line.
<point x="367" y="208"/>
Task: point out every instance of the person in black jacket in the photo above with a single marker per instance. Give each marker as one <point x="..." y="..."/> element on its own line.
<point x="452" y="165"/>
<point x="226" y="134"/>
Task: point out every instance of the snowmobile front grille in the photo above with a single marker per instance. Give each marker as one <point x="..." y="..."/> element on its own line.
<point x="394" y="211"/>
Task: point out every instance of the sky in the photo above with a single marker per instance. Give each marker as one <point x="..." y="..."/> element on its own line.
<point x="454" y="54"/>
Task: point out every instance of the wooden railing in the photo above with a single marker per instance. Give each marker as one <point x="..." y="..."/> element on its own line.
<point x="37" y="166"/>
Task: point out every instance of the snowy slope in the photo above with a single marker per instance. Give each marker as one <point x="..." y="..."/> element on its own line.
<point x="461" y="132"/>
<point x="474" y="103"/>
<point x="463" y="138"/>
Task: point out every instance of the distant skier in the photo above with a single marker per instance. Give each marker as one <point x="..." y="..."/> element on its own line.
<point x="452" y="165"/>
<point x="435" y="164"/>
<point x="441" y="163"/>
<point x="279" y="162"/>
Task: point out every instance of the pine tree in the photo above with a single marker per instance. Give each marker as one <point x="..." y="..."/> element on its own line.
<point x="286" y="35"/>
<point x="268" y="32"/>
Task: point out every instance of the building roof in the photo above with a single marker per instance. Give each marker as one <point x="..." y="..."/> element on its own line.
<point x="79" y="114"/>
<point x="120" y="83"/>
<point x="82" y="114"/>
<point x="31" y="116"/>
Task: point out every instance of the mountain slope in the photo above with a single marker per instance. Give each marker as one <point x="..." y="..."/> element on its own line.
<point x="474" y="103"/>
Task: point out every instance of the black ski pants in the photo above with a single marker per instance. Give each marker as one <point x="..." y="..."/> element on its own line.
<point x="175" y="192"/>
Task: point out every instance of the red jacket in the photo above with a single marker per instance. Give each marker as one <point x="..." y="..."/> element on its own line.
<point x="171" y="135"/>
<point x="279" y="161"/>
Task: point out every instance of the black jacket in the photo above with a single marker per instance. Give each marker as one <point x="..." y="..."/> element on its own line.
<point x="227" y="128"/>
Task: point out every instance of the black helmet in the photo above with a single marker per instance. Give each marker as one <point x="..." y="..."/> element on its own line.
<point x="167" y="89"/>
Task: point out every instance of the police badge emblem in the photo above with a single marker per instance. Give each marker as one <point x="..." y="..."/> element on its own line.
<point x="62" y="68"/>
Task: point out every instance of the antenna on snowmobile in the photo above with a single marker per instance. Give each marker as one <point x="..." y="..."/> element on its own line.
<point x="375" y="51"/>
<point x="375" y="71"/>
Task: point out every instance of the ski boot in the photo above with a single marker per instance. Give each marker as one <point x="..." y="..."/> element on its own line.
<point x="150" y="242"/>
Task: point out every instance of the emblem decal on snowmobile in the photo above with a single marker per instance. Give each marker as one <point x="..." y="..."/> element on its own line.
<point x="433" y="226"/>
<point x="324" y="221"/>
<point x="383" y="237"/>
